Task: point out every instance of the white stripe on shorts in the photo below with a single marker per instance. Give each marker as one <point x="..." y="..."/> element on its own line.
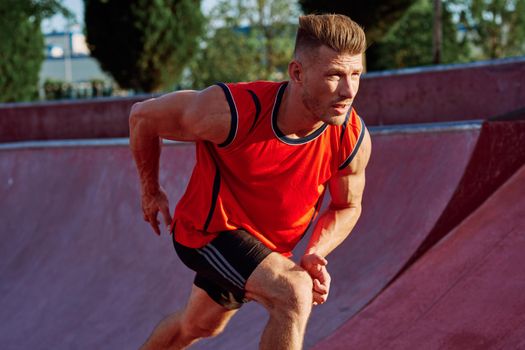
<point x="220" y="268"/>
<point x="226" y="263"/>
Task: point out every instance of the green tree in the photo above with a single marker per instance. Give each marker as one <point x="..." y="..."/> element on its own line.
<point x="408" y="43"/>
<point x="22" y="46"/>
<point x="247" y="40"/>
<point x="495" y="27"/>
<point x="143" y="44"/>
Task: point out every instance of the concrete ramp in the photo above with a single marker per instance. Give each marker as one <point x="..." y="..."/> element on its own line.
<point x="79" y="269"/>
<point x="465" y="293"/>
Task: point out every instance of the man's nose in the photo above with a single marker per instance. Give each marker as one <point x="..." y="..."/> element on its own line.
<point x="347" y="89"/>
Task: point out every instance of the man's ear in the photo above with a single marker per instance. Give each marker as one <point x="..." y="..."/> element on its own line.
<point x="295" y="71"/>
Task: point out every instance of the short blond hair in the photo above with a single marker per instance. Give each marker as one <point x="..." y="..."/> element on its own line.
<point x="338" y="32"/>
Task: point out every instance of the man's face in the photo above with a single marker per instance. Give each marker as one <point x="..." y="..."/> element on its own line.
<point x="330" y="83"/>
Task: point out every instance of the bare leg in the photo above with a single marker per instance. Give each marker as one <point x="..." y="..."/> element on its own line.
<point x="202" y="317"/>
<point x="285" y="290"/>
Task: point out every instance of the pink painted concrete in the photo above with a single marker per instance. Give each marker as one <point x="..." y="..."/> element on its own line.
<point x="499" y="153"/>
<point x="466" y="293"/>
<point x="443" y="93"/>
<point x="80" y="269"/>
<point x="81" y="119"/>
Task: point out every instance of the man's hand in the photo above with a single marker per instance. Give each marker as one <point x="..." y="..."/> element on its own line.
<point x="315" y="265"/>
<point x="152" y="204"/>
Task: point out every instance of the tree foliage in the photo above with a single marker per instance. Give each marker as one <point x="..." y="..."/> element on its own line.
<point x="143" y="44"/>
<point x="495" y="27"/>
<point x="247" y="40"/>
<point x="22" y="46"/>
<point x="408" y="43"/>
<point x="472" y="30"/>
<point x="376" y="16"/>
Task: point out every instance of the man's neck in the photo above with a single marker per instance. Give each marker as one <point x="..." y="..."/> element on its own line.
<point x="293" y="118"/>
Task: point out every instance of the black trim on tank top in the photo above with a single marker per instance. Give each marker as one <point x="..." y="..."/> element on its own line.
<point x="344" y="125"/>
<point x="214" y="196"/>
<point x="257" y="104"/>
<point x="233" y="110"/>
<point x="280" y="134"/>
<point x="356" y="148"/>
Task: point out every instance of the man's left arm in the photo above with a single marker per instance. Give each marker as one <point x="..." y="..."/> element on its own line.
<point x="335" y="224"/>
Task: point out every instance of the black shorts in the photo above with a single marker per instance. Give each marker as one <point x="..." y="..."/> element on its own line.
<point x="223" y="266"/>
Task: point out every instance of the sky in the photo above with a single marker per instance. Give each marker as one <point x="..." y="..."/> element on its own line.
<point x="57" y="23"/>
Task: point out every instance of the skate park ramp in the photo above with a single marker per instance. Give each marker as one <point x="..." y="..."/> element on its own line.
<point x="80" y="269"/>
<point x="465" y="293"/>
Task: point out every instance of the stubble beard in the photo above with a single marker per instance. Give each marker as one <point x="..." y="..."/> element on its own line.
<point x="317" y="113"/>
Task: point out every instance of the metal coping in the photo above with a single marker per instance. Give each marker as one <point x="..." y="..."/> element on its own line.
<point x="74" y="102"/>
<point x="119" y="142"/>
<point x="444" y="67"/>
<point x="426" y="127"/>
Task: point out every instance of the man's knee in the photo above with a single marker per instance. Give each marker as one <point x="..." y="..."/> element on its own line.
<point x="284" y="288"/>
<point x="296" y="293"/>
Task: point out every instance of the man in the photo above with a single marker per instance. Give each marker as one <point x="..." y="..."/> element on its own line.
<point x="265" y="154"/>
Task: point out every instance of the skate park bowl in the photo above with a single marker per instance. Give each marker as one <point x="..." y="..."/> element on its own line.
<point x="435" y="261"/>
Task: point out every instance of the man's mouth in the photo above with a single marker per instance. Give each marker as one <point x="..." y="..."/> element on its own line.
<point x="341" y="107"/>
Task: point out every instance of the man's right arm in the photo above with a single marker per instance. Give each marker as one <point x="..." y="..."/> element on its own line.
<point x="181" y="116"/>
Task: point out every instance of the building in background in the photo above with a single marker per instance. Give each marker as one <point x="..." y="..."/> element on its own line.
<point x="69" y="71"/>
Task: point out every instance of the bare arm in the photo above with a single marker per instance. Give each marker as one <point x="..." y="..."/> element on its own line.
<point x="346" y="190"/>
<point x="181" y="116"/>
<point x="335" y="224"/>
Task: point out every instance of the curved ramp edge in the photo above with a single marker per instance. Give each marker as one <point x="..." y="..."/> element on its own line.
<point x="465" y="293"/>
<point x="498" y="154"/>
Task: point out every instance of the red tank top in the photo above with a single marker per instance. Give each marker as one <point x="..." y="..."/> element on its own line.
<point x="259" y="179"/>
